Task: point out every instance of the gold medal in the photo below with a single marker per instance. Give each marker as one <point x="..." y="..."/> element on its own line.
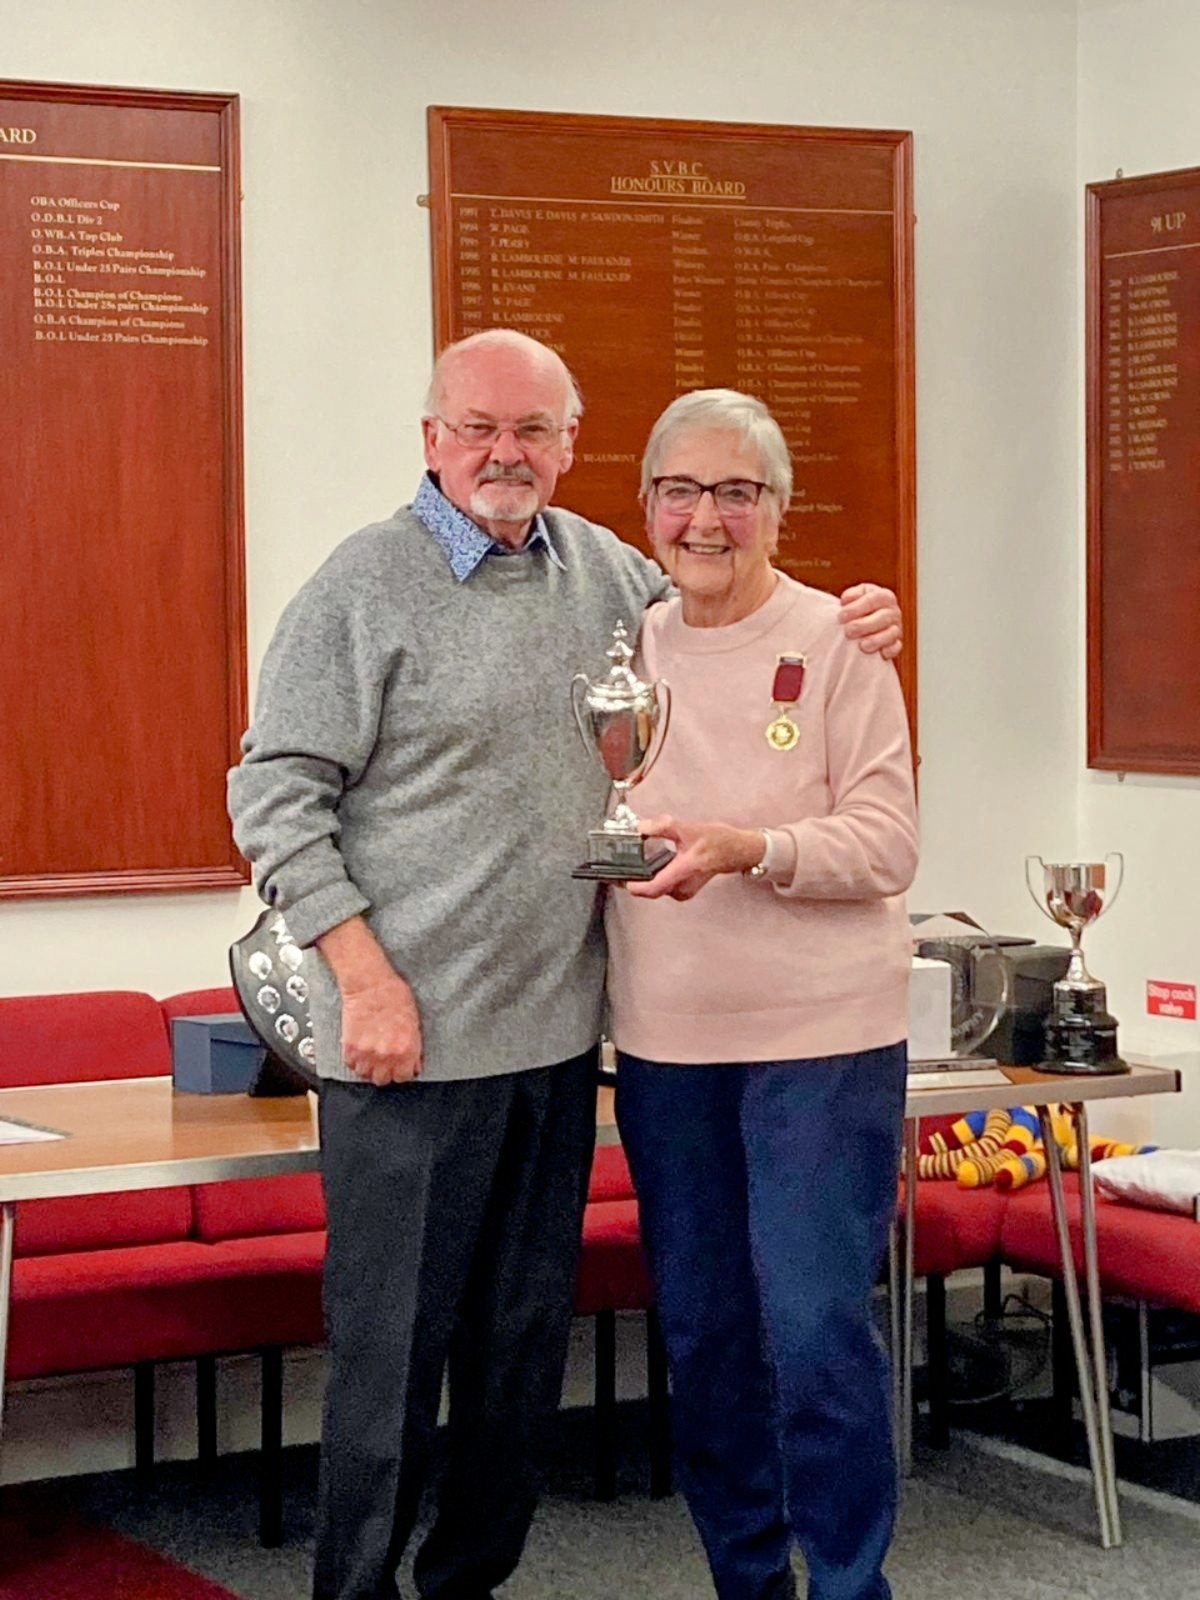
<point x="782" y="732"/>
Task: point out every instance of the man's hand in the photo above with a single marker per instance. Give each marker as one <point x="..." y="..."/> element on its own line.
<point x="381" y="1026"/>
<point x="871" y="615"/>
<point x="703" y="849"/>
<point x="381" y="1032"/>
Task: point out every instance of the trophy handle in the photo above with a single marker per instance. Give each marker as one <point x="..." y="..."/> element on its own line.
<point x="1038" y="900"/>
<point x="1119" y="857"/>
<point x="580" y="684"/>
<point x="662" y="690"/>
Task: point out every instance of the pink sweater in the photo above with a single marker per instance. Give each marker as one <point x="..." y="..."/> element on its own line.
<point x="750" y="970"/>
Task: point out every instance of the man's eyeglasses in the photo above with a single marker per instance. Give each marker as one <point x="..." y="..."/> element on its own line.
<point x="733" y="496"/>
<point x="532" y="434"/>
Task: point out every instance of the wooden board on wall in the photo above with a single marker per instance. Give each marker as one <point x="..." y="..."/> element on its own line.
<point x="122" y="672"/>
<point x="1143" y="458"/>
<point x="661" y="256"/>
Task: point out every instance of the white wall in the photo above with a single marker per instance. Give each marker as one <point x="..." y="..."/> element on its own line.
<point x="1139" y="111"/>
<point x="337" y="341"/>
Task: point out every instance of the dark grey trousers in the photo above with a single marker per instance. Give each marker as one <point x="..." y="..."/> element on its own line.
<point x="454" y="1215"/>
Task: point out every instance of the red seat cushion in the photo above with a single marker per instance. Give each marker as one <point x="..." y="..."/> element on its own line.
<point x="249" y="1207"/>
<point x="956" y="1227"/>
<point x="975" y="1214"/>
<point x="79" y="1038"/>
<point x="611" y="1178"/>
<point x="1146" y="1255"/>
<point x="613" y="1275"/>
<point x="200" y="1003"/>
<point x="935" y="1245"/>
<point x="112" y="1308"/>
<point x="103" y="1221"/>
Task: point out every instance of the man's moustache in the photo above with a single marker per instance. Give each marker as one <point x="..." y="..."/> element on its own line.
<point x="501" y="475"/>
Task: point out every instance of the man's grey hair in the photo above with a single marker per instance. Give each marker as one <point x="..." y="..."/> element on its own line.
<point x="503" y="339"/>
<point x="726" y="411"/>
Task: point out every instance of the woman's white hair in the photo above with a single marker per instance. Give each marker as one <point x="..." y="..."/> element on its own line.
<point x="502" y="339"/>
<point x="726" y="411"/>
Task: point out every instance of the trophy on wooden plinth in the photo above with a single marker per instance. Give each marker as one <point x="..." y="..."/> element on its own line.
<point x="623" y="722"/>
<point x="1081" y="1036"/>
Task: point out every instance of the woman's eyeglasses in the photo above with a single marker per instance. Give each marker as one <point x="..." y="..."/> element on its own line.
<point x="733" y="496"/>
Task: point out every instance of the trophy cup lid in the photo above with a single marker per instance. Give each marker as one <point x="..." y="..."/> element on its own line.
<point x="621" y="689"/>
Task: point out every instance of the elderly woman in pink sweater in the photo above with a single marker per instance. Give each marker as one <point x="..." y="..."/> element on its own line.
<point x="758" y="991"/>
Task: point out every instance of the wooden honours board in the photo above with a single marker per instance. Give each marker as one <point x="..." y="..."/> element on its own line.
<point x="661" y="256"/>
<point x="1143" y="390"/>
<point x="122" y="672"/>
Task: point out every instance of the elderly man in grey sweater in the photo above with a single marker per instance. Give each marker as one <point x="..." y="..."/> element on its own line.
<point x="413" y="796"/>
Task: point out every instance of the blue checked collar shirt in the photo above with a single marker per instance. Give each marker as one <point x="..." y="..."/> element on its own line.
<point x="463" y="542"/>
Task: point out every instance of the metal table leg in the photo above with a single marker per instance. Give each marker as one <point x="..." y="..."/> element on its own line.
<point x="8" y="1217"/>
<point x="900" y="1304"/>
<point x="1091" y="1267"/>
<point x="912" y="1126"/>
<point x="1084" y="1367"/>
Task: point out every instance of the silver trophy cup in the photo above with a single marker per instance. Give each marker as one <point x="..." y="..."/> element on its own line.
<point x="1081" y="1036"/>
<point x="622" y="722"/>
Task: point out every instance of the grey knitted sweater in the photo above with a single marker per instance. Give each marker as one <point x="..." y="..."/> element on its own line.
<point x="413" y="758"/>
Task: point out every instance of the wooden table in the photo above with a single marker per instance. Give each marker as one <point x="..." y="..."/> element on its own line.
<point x="1027" y="1087"/>
<point x="137" y="1133"/>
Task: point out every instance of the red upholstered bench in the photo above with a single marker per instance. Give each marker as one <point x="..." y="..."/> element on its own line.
<point x="130" y="1279"/>
<point x="1150" y="1258"/>
<point x="1142" y="1254"/>
<point x="62" y="1246"/>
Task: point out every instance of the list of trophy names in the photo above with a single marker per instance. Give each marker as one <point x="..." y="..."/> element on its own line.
<point x="749" y="298"/>
<point x="101" y="276"/>
<point x="660" y="258"/>
<point x="1141" y="363"/>
<point x="1144" y="471"/>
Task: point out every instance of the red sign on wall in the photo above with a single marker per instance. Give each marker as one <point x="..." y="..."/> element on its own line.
<point x="1171" y="1000"/>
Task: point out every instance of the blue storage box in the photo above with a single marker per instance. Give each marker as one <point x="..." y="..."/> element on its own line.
<point x="214" y="1055"/>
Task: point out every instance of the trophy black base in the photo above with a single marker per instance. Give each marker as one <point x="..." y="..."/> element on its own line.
<point x="1081" y="1036"/>
<point x="1083" y="1069"/>
<point x="639" y="870"/>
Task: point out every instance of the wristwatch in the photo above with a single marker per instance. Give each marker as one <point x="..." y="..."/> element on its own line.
<point x="761" y="868"/>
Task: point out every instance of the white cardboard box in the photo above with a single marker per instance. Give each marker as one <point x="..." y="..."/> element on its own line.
<point x="929" y="1010"/>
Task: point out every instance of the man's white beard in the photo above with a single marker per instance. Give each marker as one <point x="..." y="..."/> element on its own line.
<point x="500" y="501"/>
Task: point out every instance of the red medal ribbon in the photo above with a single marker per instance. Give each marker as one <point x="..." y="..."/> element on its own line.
<point x="789" y="680"/>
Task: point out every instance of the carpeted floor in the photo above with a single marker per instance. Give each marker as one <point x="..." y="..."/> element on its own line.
<point x="985" y="1518"/>
<point x="47" y="1553"/>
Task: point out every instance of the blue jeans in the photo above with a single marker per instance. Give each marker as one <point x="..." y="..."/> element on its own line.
<point x="766" y="1191"/>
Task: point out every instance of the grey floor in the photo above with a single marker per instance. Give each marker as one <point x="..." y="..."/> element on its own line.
<point x="985" y="1519"/>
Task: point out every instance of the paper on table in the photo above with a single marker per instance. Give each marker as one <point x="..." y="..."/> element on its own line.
<point x="13" y="1132"/>
<point x="988" y="1078"/>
